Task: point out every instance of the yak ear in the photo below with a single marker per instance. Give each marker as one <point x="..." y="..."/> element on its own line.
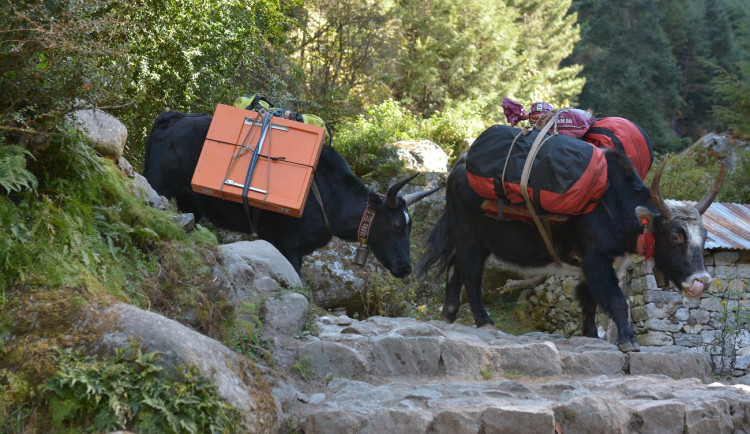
<point x="651" y="219"/>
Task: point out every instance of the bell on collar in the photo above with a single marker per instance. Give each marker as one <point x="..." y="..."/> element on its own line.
<point x="361" y="256"/>
<point x="661" y="279"/>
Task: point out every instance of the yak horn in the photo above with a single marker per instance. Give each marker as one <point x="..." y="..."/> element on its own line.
<point x="656" y="196"/>
<point x="417" y="196"/>
<point x="391" y="198"/>
<point x="705" y="202"/>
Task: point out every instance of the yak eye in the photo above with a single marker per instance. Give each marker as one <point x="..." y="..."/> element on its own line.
<point x="675" y="238"/>
<point x="398" y="226"/>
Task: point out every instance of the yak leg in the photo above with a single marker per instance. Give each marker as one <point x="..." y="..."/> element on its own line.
<point x="588" y="310"/>
<point x="604" y="289"/>
<point x="452" y="294"/>
<point x="470" y="261"/>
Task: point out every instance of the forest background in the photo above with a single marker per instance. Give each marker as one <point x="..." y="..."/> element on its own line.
<point x="428" y="68"/>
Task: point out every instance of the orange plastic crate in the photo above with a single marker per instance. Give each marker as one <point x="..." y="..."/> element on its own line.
<point x="280" y="183"/>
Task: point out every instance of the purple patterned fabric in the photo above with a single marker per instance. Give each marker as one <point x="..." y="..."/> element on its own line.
<point x="514" y="112"/>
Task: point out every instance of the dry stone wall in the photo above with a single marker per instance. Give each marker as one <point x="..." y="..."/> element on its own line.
<point x="717" y="323"/>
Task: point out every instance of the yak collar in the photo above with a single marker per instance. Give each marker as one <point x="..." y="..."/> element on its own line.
<point x="364" y="225"/>
<point x="363" y="234"/>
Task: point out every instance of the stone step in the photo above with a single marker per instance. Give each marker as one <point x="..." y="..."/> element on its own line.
<point x="400" y="375"/>
<point x="405" y="376"/>
<point x="382" y="347"/>
<point x="619" y="404"/>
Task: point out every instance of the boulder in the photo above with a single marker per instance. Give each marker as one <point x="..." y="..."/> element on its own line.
<point x="256" y="266"/>
<point x="105" y="132"/>
<point x="143" y="190"/>
<point x="722" y="147"/>
<point x="335" y="280"/>
<point x="236" y="378"/>
<point x="422" y="156"/>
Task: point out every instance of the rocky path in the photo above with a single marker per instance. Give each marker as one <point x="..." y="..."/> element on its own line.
<point x="399" y="375"/>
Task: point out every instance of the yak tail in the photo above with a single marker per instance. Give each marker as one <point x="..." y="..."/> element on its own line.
<point x="440" y="249"/>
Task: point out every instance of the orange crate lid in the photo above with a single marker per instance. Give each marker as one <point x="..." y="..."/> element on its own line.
<point x="280" y="183"/>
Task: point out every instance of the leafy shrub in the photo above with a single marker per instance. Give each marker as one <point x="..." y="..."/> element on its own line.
<point x="386" y="296"/>
<point x="78" y="226"/>
<point x="364" y="141"/>
<point x="733" y="89"/>
<point x="135" y="59"/>
<point x="453" y="125"/>
<point x="57" y="55"/>
<point x="14" y="391"/>
<point x="689" y="175"/>
<point x="130" y="392"/>
<point x="303" y="367"/>
<point x="736" y="187"/>
<point x="14" y="176"/>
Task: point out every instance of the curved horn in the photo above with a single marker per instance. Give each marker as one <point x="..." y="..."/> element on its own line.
<point x="656" y="196"/>
<point x="391" y="198"/>
<point x="417" y="196"/>
<point x="705" y="202"/>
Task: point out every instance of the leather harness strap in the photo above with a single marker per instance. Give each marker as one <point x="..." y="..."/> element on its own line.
<point x="316" y="193"/>
<point x="544" y="229"/>
<point x="363" y="233"/>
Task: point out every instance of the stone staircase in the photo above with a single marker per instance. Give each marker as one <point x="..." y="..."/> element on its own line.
<point x="400" y="375"/>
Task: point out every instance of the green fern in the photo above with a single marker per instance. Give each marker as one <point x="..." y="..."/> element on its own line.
<point x="14" y="177"/>
<point x="131" y="392"/>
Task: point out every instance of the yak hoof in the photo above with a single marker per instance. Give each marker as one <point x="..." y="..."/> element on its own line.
<point x="487" y="325"/>
<point x="448" y="317"/>
<point x="628" y="347"/>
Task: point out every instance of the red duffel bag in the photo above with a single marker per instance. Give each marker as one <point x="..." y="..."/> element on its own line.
<point x="624" y="136"/>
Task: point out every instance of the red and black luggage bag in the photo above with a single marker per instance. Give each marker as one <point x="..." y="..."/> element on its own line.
<point x="624" y="136"/>
<point x="568" y="176"/>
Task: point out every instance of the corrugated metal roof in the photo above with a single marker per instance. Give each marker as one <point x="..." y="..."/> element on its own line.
<point x="728" y="224"/>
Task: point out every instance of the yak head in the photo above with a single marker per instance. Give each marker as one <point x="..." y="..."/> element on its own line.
<point x="391" y="225"/>
<point x="680" y="236"/>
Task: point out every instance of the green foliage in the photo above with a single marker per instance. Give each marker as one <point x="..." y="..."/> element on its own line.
<point x="736" y="188"/>
<point x="135" y="58"/>
<point x="734" y="89"/>
<point x="452" y="126"/>
<point x="447" y="55"/>
<point x="14" y="391"/>
<point x="689" y="175"/>
<point x="629" y="72"/>
<point x="14" y="176"/>
<point x="245" y="330"/>
<point x="190" y="55"/>
<point x="130" y="391"/>
<point x="303" y="367"/>
<point x="486" y="374"/>
<point x="78" y="227"/>
<point x="387" y="296"/>
<point x="660" y="79"/>
<point x="342" y="50"/>
<point x="733" y="320"/>
<point x="55" y="56"/>
<point x="683" y="177"/>
<point x="362" y="141"/>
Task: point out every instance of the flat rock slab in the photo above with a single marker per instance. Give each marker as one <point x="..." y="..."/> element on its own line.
<point x="401" y="375"/>
<point x="625" y="404"/>
<point x="395" y="347"/>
